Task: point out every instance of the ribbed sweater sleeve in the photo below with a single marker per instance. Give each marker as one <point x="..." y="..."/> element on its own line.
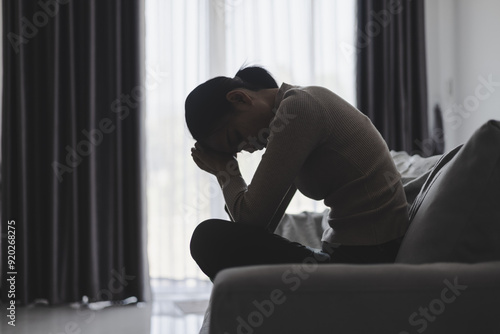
<point x="295" y="131"/>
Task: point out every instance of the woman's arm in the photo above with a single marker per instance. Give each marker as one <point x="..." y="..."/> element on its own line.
<point x="280" y="212"/>
<point x="298" y="129"/>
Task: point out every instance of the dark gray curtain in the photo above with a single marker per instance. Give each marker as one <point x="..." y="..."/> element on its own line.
<point x="391" y="71"/>
<point x="72" y="150"/>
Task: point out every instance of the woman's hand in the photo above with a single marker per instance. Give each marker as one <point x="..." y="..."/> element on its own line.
<point x="212" y="161"/>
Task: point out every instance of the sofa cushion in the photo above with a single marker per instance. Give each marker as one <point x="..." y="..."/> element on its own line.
<point x="456" y="216"/>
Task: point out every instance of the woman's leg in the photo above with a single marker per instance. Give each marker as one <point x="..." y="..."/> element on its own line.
<point x="219" y="244"/>
<point x="384" y="253"/>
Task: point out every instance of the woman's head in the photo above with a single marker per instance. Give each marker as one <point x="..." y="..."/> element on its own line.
<point x="222" y="112"/>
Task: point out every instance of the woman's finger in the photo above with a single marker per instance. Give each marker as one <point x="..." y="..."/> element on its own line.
<point x="198" y="146"/>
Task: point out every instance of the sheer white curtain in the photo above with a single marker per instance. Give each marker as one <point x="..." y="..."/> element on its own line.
<point x="301" y="42"/>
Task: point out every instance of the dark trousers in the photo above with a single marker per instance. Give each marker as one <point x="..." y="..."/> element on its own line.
<point x="219" y="244"/>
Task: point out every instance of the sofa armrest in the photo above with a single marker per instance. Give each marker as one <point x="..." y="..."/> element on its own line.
<point x="335" y="298"/>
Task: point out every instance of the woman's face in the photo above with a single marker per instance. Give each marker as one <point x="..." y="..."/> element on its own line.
<point x="246" y="128"/>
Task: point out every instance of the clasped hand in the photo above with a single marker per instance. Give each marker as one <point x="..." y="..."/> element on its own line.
<point x="212" y="161"/>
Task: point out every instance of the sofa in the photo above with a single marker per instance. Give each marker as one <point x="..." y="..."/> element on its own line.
<point x="446" y="277"/>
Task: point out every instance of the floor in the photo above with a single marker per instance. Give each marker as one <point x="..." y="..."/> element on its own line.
<point x="176" y="309"/>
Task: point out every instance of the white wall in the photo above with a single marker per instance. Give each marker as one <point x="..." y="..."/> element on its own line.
<point x="463" y="52"/>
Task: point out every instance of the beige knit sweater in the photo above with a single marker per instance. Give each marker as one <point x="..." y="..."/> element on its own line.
<point x="328" y="150"/>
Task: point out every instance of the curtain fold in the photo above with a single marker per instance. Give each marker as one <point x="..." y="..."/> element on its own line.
<point x="391" y="80"/>
<point x="73" y="150"/>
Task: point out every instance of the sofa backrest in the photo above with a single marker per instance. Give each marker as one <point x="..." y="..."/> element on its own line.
<point x="456" y="216"/>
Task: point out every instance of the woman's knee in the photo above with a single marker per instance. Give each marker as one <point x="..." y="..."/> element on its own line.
<point x="204" y="237"/>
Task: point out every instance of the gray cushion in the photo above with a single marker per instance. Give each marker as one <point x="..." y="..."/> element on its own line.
<point x="456" y="216"/>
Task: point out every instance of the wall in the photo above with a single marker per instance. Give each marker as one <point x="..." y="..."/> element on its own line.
<point x="463" y="58"/>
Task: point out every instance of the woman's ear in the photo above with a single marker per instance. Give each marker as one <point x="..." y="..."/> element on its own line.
<point x="238" y="96"/>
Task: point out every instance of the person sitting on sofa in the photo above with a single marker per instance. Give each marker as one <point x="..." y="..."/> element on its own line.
<point x="315" y="142"/>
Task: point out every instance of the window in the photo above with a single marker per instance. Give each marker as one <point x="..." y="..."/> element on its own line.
<point x="301" y="42"/>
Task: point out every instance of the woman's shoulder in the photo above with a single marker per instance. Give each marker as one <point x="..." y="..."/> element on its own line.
<point x="318" y="98"/>
<point x="299" y="110"/>
<point x="317" y="94"/>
